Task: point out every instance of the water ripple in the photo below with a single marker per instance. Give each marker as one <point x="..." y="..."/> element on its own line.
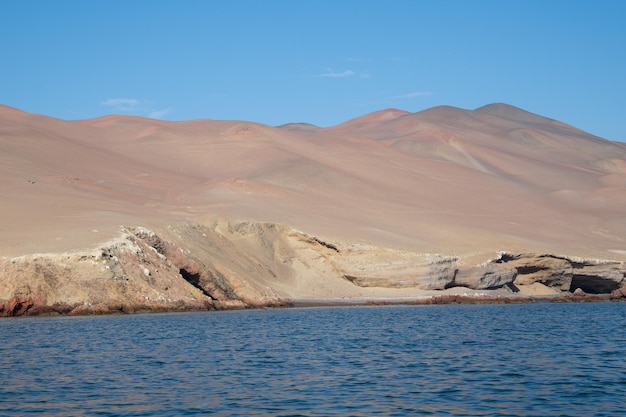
<point x="500" y="360"/>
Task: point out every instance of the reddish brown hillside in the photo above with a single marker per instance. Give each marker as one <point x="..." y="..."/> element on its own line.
<point x="460" y="185"/>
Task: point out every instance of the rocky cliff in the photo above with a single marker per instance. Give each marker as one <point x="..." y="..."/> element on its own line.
<point x="241" y="264"/>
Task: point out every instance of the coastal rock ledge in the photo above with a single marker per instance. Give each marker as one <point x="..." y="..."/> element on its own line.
<point x="247" y="264"/>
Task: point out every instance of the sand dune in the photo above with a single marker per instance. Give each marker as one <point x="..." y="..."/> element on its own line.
<point x="465" y="183"/>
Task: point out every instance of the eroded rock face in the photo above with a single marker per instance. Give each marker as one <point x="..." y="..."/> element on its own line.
<point x="487" y="276"/>
<point x="128" y="275"/>
<point x="546" y="269"/>
<point x="557" y="272"/>
<point x="600" y="278"/>
<point x="565" y="274"/>
<point x="619" y="293"/>
<point x="237" y="264"/>
<point x="506" y="271"/>
<point x="393" y="269"/>
<point x="203" y="276"/>
<point x="15" y="307"/>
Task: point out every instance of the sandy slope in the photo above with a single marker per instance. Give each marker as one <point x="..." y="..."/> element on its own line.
<point x="465" y="183"/>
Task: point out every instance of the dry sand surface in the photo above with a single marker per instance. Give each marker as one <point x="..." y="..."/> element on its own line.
<point x="462" y="184"/>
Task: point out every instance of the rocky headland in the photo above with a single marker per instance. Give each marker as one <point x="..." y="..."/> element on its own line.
<point x="249" y="265"/>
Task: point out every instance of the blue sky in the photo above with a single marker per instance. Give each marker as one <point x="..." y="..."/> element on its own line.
<point x="321" y="62"/>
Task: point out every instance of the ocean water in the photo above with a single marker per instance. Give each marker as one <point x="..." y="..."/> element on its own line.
<point x="459" y="360"/>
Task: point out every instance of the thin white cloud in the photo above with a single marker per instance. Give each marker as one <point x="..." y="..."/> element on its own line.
<point x="411" y="95"/>
<point x="330" y="73"/>
<point x="157" y="114"/>
<point x="122" y="104"/>
<point x="135" y="106"/>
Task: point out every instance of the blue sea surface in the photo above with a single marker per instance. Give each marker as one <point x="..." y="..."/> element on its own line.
<point x="538" y="359"/>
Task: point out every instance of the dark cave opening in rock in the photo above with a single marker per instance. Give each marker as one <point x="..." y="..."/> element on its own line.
<point x="530" y="269"/>
<point x="593" y="284"/>
<point x="194" y="279"/>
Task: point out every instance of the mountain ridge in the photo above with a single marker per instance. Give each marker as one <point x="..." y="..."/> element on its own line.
<point x="502" y="110"/>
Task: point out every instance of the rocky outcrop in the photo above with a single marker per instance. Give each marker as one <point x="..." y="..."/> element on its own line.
<point x="619" y="293"/>
<point x="240" y="264"/>
<point x="601" y="278"/>
<point x="566" y="274"/>
<point x="205" y="277"/>
<point x="485" y="276"/>
<point x="557" y="272"/>
<point x="138" y="272"/>
<point x="507" y="271"/>
<point x="548" y="270"/>
<point x="15" y="307"/>
<point x="396" y="269"/>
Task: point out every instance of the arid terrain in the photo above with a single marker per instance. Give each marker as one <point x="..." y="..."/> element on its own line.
<point x="123" y="213"/>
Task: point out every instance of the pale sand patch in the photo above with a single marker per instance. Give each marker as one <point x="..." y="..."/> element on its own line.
<point x="536" y="289"/>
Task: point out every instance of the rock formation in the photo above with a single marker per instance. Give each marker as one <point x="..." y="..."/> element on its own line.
<point x="248" y="264"/>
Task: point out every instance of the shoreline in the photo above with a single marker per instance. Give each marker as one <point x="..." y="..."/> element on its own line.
<point x="454" y="299"/>
<point x="26" y="308"/>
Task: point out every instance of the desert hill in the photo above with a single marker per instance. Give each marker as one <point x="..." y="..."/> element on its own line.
<point x="392" y="204"/>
